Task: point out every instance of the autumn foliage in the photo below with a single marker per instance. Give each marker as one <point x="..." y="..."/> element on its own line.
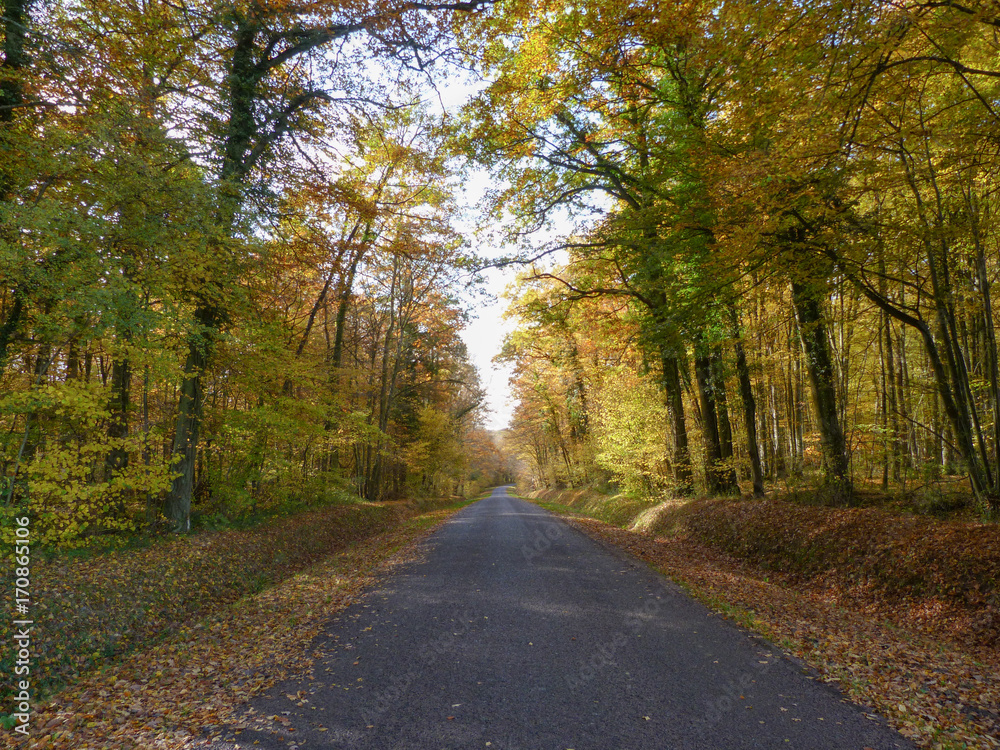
<point x="95" y="610"/>
<point x="230" y="276"/>
<point x="769" y="248"/>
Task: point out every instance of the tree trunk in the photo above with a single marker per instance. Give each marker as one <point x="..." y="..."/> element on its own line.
<point x="189" y="412"/>
<point x="242" y="79"/>
<point x="719" y="479"/>
<point x="675" y="411"/>
<point x="893" y="405"/>
<point x="580" y="417"/>
<point x="816" y="347"/>
<point x="343" y="305"/>
<point x="121" y="382"/>
<point x="722" y="407"/>
<point x="15" y="23"/>
<point x="749" y="405"/>
<point x="72" y="360"/>
<point x="991" y="355"/>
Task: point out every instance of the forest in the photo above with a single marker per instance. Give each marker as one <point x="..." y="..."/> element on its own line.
<point x="753" y="251"/>
<point x="231" y="277"/>
<point x="782" y="267"/>
<point x="757" y="249"/>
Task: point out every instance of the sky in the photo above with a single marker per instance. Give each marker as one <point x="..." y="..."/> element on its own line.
<point x="484" y="337"/>
<point x="484" y="334"/>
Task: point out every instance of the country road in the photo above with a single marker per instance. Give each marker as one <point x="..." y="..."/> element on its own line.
<point x="516" y="632"/>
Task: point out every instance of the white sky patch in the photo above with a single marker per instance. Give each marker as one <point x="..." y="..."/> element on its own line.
<point x="485" y="332"/>
<point x="484" y="336"/>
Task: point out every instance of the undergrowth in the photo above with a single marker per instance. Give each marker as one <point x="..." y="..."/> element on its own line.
<point x="90" y="607"/>
<point x="886" y="553"/>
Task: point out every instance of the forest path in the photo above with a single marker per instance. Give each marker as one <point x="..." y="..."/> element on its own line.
<point x="517" y="632"/>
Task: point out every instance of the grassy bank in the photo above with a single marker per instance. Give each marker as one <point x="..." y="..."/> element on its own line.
<point x="900" y="612"/>
<point x="91" y="611"/>
<point x="942" y="574"/>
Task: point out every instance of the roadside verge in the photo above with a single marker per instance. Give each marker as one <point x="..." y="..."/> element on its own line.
<point x="930" y="687"/>
<point x="181" y="691"/>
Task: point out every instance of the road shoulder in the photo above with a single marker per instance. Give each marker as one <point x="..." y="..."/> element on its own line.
<point x="930" y="692"/>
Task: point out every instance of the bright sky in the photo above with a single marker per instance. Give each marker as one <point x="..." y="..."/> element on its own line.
<point x="484" y="336"/>
<point x="485" y="333"/>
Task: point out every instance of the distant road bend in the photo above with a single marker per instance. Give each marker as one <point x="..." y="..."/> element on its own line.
<point x="517" y="632"/>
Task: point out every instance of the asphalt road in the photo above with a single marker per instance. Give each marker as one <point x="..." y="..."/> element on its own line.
<point x="516" y="632"/>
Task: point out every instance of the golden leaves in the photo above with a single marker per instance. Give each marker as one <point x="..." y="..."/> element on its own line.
<point x="195" y="681"/>
<point x="934" y="685"/>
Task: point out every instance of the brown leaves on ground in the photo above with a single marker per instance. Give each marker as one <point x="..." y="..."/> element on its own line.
<point x="952" y="565"/>
<point x="176" y="694"/>
<point x="930" y="686"/>
<point x="91" y="611"/>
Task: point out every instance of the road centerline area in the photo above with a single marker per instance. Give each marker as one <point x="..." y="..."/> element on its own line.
<point x="517" y="632"/>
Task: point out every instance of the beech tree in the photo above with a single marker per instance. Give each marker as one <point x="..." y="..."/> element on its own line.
<point x="819" y="166"/>
<point x="193" y="196"/>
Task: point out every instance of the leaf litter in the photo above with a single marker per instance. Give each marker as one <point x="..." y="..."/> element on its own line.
<point x="192" y="688"/>
<point x="939" y="689"/>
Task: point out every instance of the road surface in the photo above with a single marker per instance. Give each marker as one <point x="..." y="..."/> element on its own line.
<point x="517" y="632"/>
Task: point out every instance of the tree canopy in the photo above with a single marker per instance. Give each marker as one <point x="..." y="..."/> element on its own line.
<point x="232" y="264"/>
<point x="781" y="215"/>
<point x="230" y="269"/>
